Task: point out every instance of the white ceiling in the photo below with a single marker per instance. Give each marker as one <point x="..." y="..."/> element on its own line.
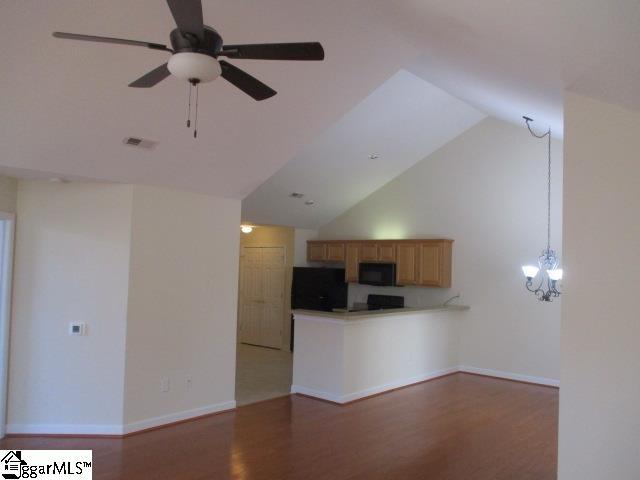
<point x="65" y="106"/>
<point x="515" y="57"/>
<point x="402" y="121"/>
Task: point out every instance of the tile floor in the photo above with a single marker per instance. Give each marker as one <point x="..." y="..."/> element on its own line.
<point x="262" y="373"/>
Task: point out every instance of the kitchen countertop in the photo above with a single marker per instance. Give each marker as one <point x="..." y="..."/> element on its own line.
<point x="345" y="315"/>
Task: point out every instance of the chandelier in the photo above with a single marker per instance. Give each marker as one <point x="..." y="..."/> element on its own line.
<point x="546" y="288"/>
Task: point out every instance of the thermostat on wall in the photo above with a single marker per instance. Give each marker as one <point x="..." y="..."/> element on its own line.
<point x="77" y="328"/>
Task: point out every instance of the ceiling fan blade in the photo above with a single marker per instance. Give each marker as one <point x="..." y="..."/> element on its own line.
<point x="188" y="16"/>
<point x="152" y="78"/>
<point x="276" y="51"/>
<point x="245" y="82"/>
<point x="120" y="41"/>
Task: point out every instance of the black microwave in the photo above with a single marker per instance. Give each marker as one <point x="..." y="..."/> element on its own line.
<point x="381" y="274"/>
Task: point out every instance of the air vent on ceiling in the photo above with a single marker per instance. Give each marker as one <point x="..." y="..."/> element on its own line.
<point x="139" y="142"/>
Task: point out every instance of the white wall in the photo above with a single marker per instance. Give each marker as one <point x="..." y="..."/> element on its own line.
<point x="182" y="305"/>
<point x="8" y="194"/>
<point x="301" y="235"/>
<point x="71" y="264"/>
<point x="486" y="189"/>
<point x="342" y="360"/>
<point x="153" y="273"/>
<point x="600" y="395"/>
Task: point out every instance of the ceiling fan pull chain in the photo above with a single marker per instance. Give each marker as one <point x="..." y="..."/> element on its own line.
<point x="195" y="127"/>
<point x="189" y="108"/>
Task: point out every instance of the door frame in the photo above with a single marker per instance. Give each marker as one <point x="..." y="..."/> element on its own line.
<point x="286" y="309"/>
<point x="6" y="283"/>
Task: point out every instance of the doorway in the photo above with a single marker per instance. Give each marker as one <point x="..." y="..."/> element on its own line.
<point x="7" y="223"/>
<point x="262" y="296"/>
<point x="264" y="362"/>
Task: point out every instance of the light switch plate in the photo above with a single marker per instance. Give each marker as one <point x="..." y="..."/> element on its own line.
<point x="77" y="328"/>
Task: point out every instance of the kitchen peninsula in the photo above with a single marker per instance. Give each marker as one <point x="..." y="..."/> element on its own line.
<point x="344" y="356"/>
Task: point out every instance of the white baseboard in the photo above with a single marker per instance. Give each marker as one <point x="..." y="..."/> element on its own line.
<point x="177" y="417"/>
<point x="510" y="376"/>
<point x="350" y="397"/>
<point x="367" y="392"/>
<point x="63" y="429"/>
<point x="79" y="429"/>
<point x="316" y="393"/>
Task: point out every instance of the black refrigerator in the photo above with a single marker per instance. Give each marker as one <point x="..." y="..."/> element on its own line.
<point x="317" y="289"/>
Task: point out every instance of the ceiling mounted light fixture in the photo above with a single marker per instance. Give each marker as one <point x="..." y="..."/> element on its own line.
<point x="196" y="49"/>
<point x="547" y="261"/>
<point x="374" y="156"/>
<point x="246" y="228"/>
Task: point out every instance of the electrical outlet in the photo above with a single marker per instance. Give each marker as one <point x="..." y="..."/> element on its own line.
<point x="164" y="385"/>
<point x="188" y="381"/>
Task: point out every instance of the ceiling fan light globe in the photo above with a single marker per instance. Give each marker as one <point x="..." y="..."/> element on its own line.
<point x="191" y="65"/>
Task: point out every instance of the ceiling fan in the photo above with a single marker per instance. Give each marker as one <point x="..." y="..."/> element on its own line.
<point x="196" y="48"/>
<point x="195" y="51"/>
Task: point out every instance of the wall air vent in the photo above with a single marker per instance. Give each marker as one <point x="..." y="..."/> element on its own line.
<point x="139" y="142"/>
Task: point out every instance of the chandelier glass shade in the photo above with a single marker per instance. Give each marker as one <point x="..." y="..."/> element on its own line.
<point x="545" y="287"/>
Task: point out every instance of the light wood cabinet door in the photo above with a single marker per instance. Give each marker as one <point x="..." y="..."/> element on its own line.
<point x="316" y="251"/>
<point x="335" y="252"/>
<point x="369" y="252"/>
<point x="386" y="252"/>
<point x="406" y="264"/>
<point x="435" y="264"/>
<point x="352" y="262"/>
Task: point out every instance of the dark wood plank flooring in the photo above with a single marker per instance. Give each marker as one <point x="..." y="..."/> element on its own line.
<point x="462" y="427"/>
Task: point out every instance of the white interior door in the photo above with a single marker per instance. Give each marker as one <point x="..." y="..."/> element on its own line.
<point x="252" y="307"/>
<point x="262" y="280"/>
<point x="273" y="295"/>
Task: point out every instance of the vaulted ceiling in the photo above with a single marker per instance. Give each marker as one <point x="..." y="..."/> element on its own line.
<point x="65" y="107"/>
<point x="397" y="125"/>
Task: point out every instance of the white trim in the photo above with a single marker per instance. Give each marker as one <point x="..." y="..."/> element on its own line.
<point x="6" y="282"/>
<point x="316" y="393"/>
<point x="397" y="384"/>
<point x="79" y="429"/>
<point x="510" y="376"/>
<point x="367" y="392"/>
<point x="64" y="429"/>
<point x="177" y="417"/>
<point x="332" y="397"/>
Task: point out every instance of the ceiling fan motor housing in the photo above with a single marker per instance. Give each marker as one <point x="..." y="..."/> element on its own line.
<point x="195" y="60"/>
<point x="211" y="43"/>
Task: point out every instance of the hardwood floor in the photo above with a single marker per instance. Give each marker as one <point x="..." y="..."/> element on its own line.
<point x="458" y="427"/>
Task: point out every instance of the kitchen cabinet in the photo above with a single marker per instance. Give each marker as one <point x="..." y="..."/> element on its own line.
<point x="316" y="251"/>
<point x="407" y="264"/>
<point x="387" y="252"/>
<point x="352" y="262"/>
<point x="434" y="260"/>
<point x="369" y="252"/>
<point x="420" y="262"/>
<point x="335" y="252"/>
